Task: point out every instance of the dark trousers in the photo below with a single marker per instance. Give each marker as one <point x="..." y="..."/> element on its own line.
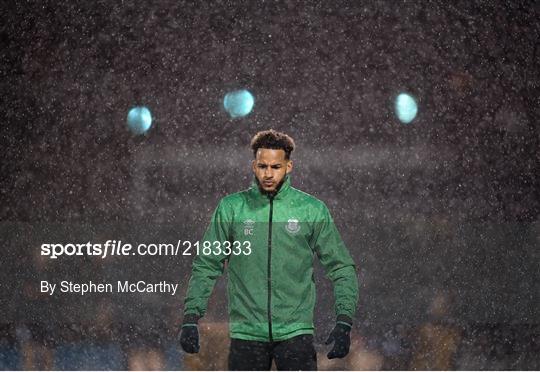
<point x="297" y="353"/>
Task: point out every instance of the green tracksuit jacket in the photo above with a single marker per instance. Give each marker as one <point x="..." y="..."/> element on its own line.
<point x="271" y="288"/>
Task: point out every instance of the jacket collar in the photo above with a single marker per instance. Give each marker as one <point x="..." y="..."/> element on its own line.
<point x="281" y="193"/>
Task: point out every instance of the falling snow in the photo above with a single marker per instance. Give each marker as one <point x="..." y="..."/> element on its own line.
<point x="440" y="214"/>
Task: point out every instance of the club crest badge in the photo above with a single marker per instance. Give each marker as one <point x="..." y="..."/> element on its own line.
<point x="292" y="226"/>
<point x="248" y="227"/>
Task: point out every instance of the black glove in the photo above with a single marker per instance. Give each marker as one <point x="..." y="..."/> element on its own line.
<point x="189" y="334"/>
<point x="341" y="337"/>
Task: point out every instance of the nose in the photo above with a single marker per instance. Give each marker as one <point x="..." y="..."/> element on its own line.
<point x="268" y="173"/>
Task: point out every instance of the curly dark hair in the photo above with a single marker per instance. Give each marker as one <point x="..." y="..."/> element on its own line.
<point x="271" y="139"/>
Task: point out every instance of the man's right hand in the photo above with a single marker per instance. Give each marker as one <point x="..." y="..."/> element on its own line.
<point x="189" y="338"/>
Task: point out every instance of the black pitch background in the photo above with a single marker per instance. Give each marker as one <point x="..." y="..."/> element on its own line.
<point x="324" y="72"/>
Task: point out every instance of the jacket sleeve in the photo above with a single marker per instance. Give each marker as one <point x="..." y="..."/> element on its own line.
<point x="337" y="263"/>
<point x="207" y="268"/>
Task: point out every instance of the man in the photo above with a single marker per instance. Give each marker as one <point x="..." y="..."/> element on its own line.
<point x="276" y="230"/>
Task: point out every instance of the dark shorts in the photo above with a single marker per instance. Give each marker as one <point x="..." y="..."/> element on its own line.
<point x="297" y="353"/>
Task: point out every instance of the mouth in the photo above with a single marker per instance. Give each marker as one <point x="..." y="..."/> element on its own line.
<point x="268" y="183"/>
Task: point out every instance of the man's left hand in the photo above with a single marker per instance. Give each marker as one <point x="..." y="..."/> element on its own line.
<point x="341" y="337"/>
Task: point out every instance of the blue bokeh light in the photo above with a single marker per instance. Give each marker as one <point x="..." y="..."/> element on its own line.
<point x="406" y="108"/>
<point x="139" y="120"/>
<point x="238" y="103"/>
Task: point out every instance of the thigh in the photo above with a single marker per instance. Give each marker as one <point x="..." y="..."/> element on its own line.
<point x="297" y="353"/>
<point x="249" y="355"/>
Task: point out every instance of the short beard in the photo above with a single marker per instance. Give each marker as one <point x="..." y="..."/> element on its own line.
<point x="270" y="193"/>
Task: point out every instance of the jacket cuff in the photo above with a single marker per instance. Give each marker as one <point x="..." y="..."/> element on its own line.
<point x="342" y="318"/>
<point x="191" y="319"/>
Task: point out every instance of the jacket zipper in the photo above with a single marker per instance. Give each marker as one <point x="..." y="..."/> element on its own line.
<point x="269" y="268"/>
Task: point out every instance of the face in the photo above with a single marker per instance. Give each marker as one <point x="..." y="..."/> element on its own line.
<point x="270" y="167"/>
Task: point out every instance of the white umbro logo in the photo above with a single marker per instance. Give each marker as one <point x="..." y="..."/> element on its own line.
<point x="248" y="227"/>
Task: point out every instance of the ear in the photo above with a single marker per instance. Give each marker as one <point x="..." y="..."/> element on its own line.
<point x="289" y="167"/>
<point x="253" y="166"/>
